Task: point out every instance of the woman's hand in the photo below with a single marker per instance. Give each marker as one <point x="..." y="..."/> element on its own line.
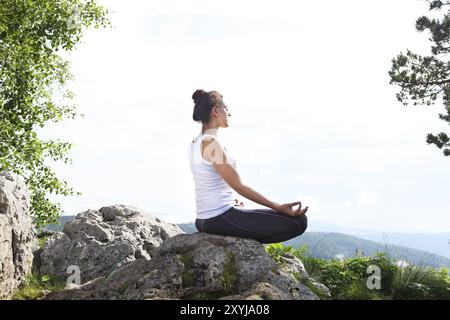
<point x="287" y="209"/>
<point x="237" y="204"/>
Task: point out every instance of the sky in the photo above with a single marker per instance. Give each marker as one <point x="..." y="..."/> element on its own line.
<point x="314" y="118"/>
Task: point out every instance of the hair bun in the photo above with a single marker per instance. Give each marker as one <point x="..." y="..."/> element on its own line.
<point x="198" y="95"/>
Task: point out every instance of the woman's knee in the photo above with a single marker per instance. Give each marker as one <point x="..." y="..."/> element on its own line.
<point x="197" y="225"/>
<point x="302" y="221"/>
<point x="305" y="221"/>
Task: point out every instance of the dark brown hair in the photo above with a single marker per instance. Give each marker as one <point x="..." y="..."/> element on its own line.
<point x="204" y="102"/>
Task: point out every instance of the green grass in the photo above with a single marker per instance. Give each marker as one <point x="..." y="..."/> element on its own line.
<point x="422" y="283"/>
<point x="36" y="286"/>
<point x="347" y="279"/>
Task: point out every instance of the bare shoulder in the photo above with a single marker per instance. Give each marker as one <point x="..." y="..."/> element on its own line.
<point x="213" y="151"/>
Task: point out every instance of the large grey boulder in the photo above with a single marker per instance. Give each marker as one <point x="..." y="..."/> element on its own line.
<point x="17" y="233"/>
<point x="197" y="266"/>
<point x="99" y="241"/>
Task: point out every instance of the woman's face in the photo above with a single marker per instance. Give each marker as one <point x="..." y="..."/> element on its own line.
<point x="223" y="116"/>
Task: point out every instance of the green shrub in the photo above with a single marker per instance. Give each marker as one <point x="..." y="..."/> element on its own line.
<point x="358" y="291"/>
<point x="347" y="279"/>
<point x="276" y="250"/>
<point x="414" y="282"/>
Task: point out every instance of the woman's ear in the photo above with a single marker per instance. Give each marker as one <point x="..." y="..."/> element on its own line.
<point x="215" y="111"/>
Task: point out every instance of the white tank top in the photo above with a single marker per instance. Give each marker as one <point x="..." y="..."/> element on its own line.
<point x="213" y="196"/>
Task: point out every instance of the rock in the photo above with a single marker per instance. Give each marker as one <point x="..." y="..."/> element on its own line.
<point x="99" y="241"/>
<point x="323" y="288"/>
<point x="293" y="265"/>
<point x="196" y="266"/>
<point x="17" y="233"/>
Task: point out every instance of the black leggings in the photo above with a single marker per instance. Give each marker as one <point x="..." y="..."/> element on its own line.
<point x="263" y="225"/>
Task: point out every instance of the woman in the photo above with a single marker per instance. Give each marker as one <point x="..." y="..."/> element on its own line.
<point x="215" y="177"/>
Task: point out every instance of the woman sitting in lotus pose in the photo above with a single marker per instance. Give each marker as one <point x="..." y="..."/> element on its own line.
<point x="215" y="177"/>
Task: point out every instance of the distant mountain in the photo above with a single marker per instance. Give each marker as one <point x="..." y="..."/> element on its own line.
<point x="328" y="245"/>
<point x="188" y="227"/>
<point x="437" y="242"/>
<point x="434" y="242"/>
<point x="59" y="226"/>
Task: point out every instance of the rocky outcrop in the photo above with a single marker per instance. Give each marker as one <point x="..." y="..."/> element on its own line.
<point x="97" y="242"/>
<point x="197" y="266"/>
<point x="294" y="266"/>
<point x="17" y="232"/>
<point x="122" y="252"/>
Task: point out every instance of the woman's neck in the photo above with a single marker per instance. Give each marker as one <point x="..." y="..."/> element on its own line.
<point x="211" y="130"/>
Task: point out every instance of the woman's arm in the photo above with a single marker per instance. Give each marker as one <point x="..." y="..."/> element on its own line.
<point x="230" y="175"/>
<point x="213" y="151"/>
<point x="255" y="196"/>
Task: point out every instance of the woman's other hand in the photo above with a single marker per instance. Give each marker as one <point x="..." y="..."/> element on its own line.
<point x="287" y="209"/>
